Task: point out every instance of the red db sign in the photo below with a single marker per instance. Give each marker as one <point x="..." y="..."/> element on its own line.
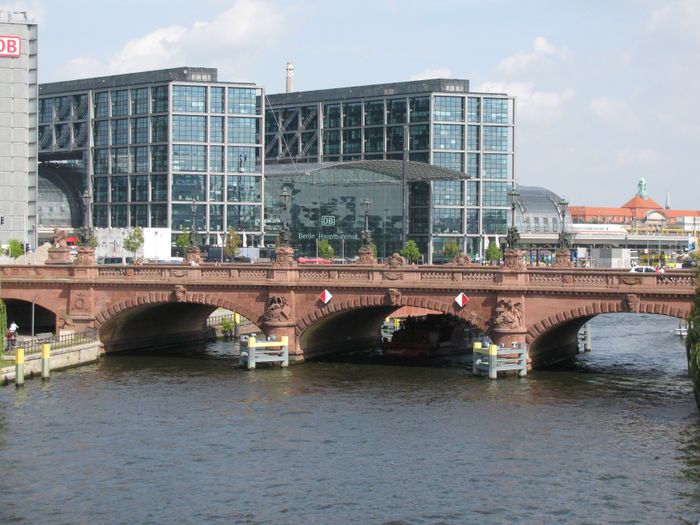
<point x="9" y="46"/>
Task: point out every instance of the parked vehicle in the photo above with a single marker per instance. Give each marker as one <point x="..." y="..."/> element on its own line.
<point x="643" y="269"/>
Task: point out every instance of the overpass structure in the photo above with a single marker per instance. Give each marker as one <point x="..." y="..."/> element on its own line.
<point x="329" y="308"/>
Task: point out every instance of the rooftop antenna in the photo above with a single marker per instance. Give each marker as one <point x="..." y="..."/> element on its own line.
<point x="668" y="200"/>
<point x="290" y="77"/>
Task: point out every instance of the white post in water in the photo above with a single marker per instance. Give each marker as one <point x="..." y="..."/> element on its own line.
<point x="493" y="361"/>
<point x="45" y="361"/>
<point x="19" y="367"/>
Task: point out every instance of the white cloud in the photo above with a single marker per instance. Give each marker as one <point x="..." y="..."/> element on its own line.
<point x="615" y="111"/>
<point x="531" y="104"/>
<point x="523" y="59"/>
<point x="679" y="18"/>
<point x="636" y="157"/>
<point x="440" y="72"/>
<point x="231" y="40"/>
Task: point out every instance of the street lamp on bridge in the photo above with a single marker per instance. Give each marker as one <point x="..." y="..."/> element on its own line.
<point x="366" y="233"/>
<point x="193" y="226"/>
<point x="564" y="237"/>
<point x="284" y="230"/>
<point x="513" y="236"/>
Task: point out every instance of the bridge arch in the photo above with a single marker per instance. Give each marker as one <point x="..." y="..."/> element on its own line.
<point x="352" y="323"/>
<point x="160" y="318"/>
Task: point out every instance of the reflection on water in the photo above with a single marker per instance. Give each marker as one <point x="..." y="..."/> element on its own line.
<point x="188" y="437"/>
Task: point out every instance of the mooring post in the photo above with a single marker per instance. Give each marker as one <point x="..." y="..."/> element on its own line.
<point x="45" y="361"/>
<point x="587" y="338"/>
<point x="285" y="351"/>
<point x="493" y="361"/>
<point x="476" y="356"/>
<point x="236" y="325"/>
<point x="251" y="352"/>
<point x="19" y="367"/>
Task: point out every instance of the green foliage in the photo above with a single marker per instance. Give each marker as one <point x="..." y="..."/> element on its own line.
<point x="3" y="325"/>
<point x="692" y="341"/>
<point x="14" y="248"/>
<point x="493" y="252"/>
<point x="325" y="249"/>
<point x="134" y="240"/>
<point x="451" y="250"/>
<point x="227" y="327"/>
<point x="695" y="255"/>
<point x="182" y="241"/>
<point x="410" y="251"/>
<point x="232" y="242"/>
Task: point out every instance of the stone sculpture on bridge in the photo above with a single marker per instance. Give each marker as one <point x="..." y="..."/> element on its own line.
<point x="508" y="314"/>
<point x="59" y="253"/>
<point x="632" y="303"/>
<point x="277" y="309"/>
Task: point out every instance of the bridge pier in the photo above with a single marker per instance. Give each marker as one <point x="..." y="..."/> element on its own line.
<point x="505" y="337"/>
<point x="282" y="329"/>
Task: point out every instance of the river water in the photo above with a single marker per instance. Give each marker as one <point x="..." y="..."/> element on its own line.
<point x="163" y="437"/>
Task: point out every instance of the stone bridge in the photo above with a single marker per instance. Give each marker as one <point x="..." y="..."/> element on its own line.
<point x="139" y="305"/>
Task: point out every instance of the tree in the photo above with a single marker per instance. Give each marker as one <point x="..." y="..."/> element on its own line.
<point x="692" y="342"/>
<point x="134" y="240"/>
<point x="493" y="252"/>
<point x="182" y="241"/>
<point x="325" y="249"/>
<point x="451" y="250"/>
<point x="15" y="248"/>
<point x="3" y="325"/>
<point x="410" y="251"/>
<point x="232" y="242"/>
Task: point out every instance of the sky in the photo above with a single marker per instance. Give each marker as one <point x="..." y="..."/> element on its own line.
<point x="607" y="90"/>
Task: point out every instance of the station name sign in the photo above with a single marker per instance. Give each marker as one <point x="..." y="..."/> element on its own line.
<point x="9" y="46"/>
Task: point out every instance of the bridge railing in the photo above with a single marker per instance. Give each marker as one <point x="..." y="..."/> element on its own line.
<point x="33" y="345"/>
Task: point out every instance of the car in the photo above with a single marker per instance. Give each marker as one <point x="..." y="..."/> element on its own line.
<point x="643" y="269"/>
<point x="689" y="263"/>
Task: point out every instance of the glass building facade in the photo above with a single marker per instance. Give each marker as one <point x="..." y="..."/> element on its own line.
<point x="160" y="149"/>
<point x="436" y="122"/>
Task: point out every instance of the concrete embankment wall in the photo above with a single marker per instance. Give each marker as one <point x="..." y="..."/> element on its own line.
<point x="60" y="359"/>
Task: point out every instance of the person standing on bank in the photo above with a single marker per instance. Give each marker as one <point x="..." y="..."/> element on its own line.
<point x="12" y="335"/>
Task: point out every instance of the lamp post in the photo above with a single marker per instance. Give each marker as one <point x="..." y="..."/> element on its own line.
<point x="86" y="199"/>
<point x="366" y="234"/>
<point x="513" y="236"/>
<point x="564" y="240"/>
<point x="284" y="231"/>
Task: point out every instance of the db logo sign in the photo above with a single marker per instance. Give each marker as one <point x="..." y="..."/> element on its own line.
<point x="328" y="220"/>
<point x="9" y="46"/>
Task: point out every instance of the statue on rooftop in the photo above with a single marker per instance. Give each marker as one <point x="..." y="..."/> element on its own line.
<point x="642" y="188"/>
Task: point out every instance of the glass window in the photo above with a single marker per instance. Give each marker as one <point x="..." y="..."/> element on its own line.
<point x="420" y="109"/>
<point x="139" y="159"/>
<point x="243" y="130"/>
<point x="451" y="161"/>
<point x="80" y="106"/>
<point x="46" y="110"/>
<point x="120" y="103"/>
<point x="447" y="192"/>
<point x="100" y="216"/>
<point x="242" y="100"/>
<point x="159" y="215"/>
<point x="182" y="217"/>
<point x="331" y="142"/>
<point x="119" y="186"/>
<point x="139" y="215"/>
<point x="496" y="110"/>
<point x="448" y="136"/>
<point x="472" y="137"/>
<point x="189" y="158"/>
<point x="119" y="216"/>
<point x="189" y="187"/>
<point x="473" y="109"/>
<point x="309" y="117"/>
<point x="472" y="221"/>
<point x="449" y="109"/>
<point x="80" y="134"/>
<point x="374" y="140"/>
<point x="352" y="141"/>
<point x="447" y="220"/>
<point x="243" y="217"/>
<point x="473" y="165"/>
<point x="243" y="159"/>
<point x="101" y="104"/>
<point x="139" y="130"/>
<point x="63" y="108"/>
<point x="243" y="188"/>
<point x="472" y="193"/>
<point x="139" y="101"/>
<point x="352" y="114"/>
<point x="159" y="129"/>
<point x="217" y="100"/>
<point x="374" y="113"/>
<point x="101" y="162"/>
<point x="494" y="221"/>
<point x="159" y="99"/>
<point x="139" y="188"/>
<point x="271" y="122"/>
<point x="216" y="129"/>
<point x="497" y="138"/>
<point x="495" y="194"/>
<point x="216" y="188"/>
<point x="159" y="188"/>
<point x="394" y="138"/>
<point x="100" y="188"/>
<point x="189" y="99"/>
<point x="419" y="137"/>
<point x="120" y="160"/>
<point x="396" y="111"/>
<point x="120" y="131"/>
<point x="159" y="158"/>
<point x="497" y="166"/>
<point x="331" y="116"/>
<point x="101" y="131"/>
<point x="216" y="217"/>
<point x="216" y="159"/>
<point x="189" y="128"/>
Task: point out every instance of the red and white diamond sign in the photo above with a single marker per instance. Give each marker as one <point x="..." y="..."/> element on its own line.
<point x="461" y="299"/>
<point x="325" y="296"/>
